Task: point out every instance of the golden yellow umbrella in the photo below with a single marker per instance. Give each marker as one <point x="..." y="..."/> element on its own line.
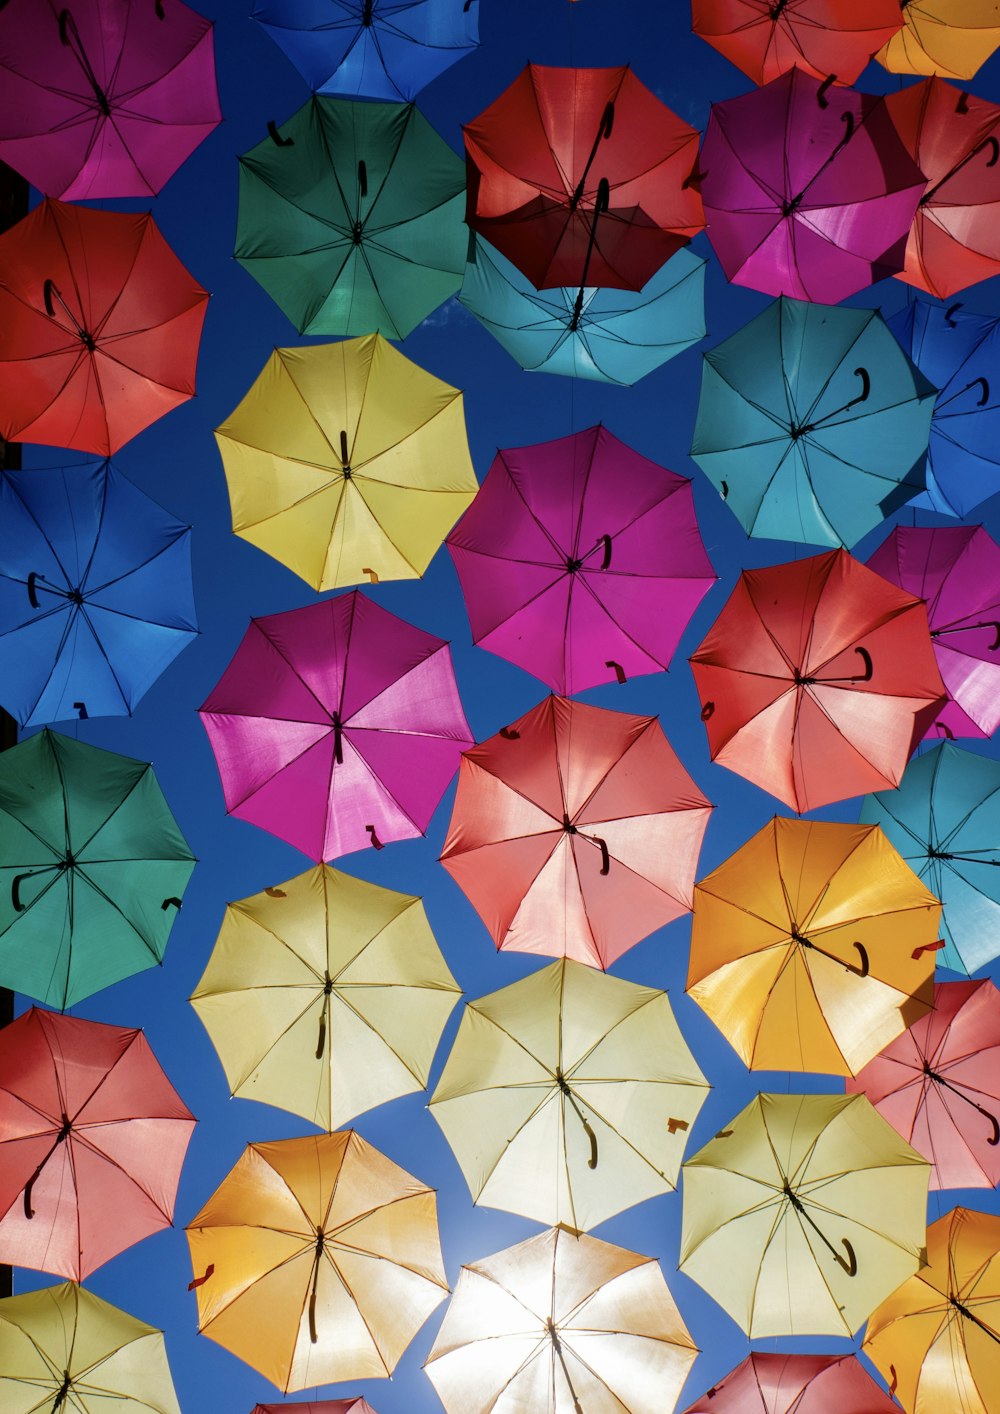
<point x="952" y="38"/>
<point x="813" y="946"/>
<point x="803" y="1214"/>
<point x="561" y="1324"/>
<point x="937" y="1338"/>
<point x="317" y="1260"/>
<point x="326" y="995"/>
<point x="568" y="1096"/>
<point x="347" y="462"/>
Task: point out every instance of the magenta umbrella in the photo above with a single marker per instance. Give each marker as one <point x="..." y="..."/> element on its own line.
<point x="808" y="189"/>
<point x="103" y="98"/>
<point x="956" y="569"/>
<point x="337" y="726"/>
<point x="581" y="561"/>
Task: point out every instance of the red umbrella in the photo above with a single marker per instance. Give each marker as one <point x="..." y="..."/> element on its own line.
<point x="796" y="1384"/>
<point x="92" y="1139"/>
<point x="99" y="327"/>
<point x="322" y="1406"/>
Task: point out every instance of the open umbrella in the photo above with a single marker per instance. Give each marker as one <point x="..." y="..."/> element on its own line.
<point x="768" y="1383"/>
<point x="575" y="832"/>
<point x="953" y="38"/>
<point x="93" y="1139"/>
<point x="347" y="461"/>
<point x="766" y="38"/>
<point x="357" y="1405"/>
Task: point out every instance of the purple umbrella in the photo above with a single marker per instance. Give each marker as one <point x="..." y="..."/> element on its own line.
<point x="808" y="189"/>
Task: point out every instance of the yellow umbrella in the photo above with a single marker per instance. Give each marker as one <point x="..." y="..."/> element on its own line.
<point x="952" y="38"/>
<point x="347" y="461"/>
<point x="568" y="1096"/>
<point x="561" y="1324"/>
<point x="326" y="995"/>
<point x="803" y="1214"/>
<point x="317" y="1260"/>
<point x="937" y="1339"/>
<point x="813" y="946"/>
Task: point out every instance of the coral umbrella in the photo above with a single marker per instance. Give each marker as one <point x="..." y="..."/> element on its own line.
<point x="817" y="680"/>
<point x="766" y="38"/>
<point x="93" y="1139"/>
<point x="557" y="1324"/>
<point x="581" y="561"/>
<point x="318" y="1406"/>
<point x="317" y="1260"/>
<point x="337" y="727"/>
<point x="953" y="38"/>
<point x="808" y="190"/>
<point x="99" y="327"/>
<point x="575" y="832"/>
<point x="795" y="1384"/>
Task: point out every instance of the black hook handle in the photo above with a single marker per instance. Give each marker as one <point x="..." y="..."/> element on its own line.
<point x="866" y="387"/>
<point x="81" y="709"/>
<point x="949" y="314"/>
<point x="605" y="856"/>
<point x="986" y="391"/>
<point x="707" y="711"/>
<point x="509" y="734"/>
<point x="273" y="892"/>
<point x="275" y="136"/>
<point x="994" y="146"/>
<point x="850" y="1266"/>
<point x="32" y="596"/>
<point x="821" y="97"/>
<point x="363" y="178"/>
<point x="618" y="670"/>
<point x="866" y="658"/>
<point x="15" y="892"/>
<point x="848" y="120"/>
<point x="861" y="971"/>
<point x="322" y="1033"/>
<point x="724" y="485"/>
<point x="345" y="454"/>
<point x="376" y="842"/>
<point x="606" y="562"/>
<point x="172" y="901"/>
<point x="47" y="291"/>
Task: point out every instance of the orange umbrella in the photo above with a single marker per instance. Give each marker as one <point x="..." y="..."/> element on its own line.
<point x="953" y="38"/>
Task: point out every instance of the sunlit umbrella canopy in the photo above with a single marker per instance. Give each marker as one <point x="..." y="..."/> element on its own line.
<point x="575" y="832"/>
<point x="558" y="1324"/>
<point x="326" y="995"/>
<point x="347" y="462"/>
<point x="569" y="1096"/>
<point x="953" y="38"/>
<point x="766" y="38"/>
<point x="803" y="1214"/>
<point x="768" y="1383"/>
<point x="318" y="1406"/>
<point x="317" y="1260"/>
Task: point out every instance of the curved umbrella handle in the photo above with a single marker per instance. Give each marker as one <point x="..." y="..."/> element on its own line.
<point x="866" y="387"/>
<point x="994" y="146"/>
<point x="322" y="1034"/>
<point x="605" y="856"/>
<point x="861" y="971"/>
<point x="376" y="842"/>
<point x="606" y="562"/>
<point x="945" y="730"/>
<point x="949" y="313"/>
<point x="49" y="288"/>
<point x="673" y="1125"/>
<point x="32" y="596"/>
<point x="707" y="711"/>
<point x="172" y="900"/>
<point x="362" y="179"/>
<point x="996" y="638"/>
<point x="821" y="97"/>
<point x="866" y="658"/>
<point x="275" y="136"/>
<point x="928" y="947"/>
<point x="994" y="1138"/>
<point x="982" y="401"/>
<point x="509" y="734"/>
<point x="200" y="1281"/>
<point x="81" y="709"/>
<point x="608" y="120"/>
<point x="848" y="119"/>
<point x="592" y="1161"/>
<point x="619" y="671"/>
<point x="850" y="1265"/>
<point x="372" y="574"/>
<point x="15" y="892"/>
<point x="895" y="1379"/>
<point x="724" y="490"/>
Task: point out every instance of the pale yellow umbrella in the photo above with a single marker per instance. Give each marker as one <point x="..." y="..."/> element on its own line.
<point x="952" y="38"/>
<point x="568" y="1096"/>
<point x="326" y="995"/>
<point x="347" y="462"/>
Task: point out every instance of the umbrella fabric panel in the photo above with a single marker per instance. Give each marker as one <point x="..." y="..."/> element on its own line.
<point x="942" y="37"/>
<point x="765" y="40"/>
<point x="795" y="1384"/>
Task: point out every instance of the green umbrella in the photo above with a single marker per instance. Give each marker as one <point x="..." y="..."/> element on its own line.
<point x="92" y="867"/>
<point x="351" y="217"/>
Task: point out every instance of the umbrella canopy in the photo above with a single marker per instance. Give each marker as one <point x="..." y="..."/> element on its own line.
<point x="796" y="1384"/>
<point x="817" y="680"/>
<point x="765" y="38"/>
<point x="99" y="327"/>
<point x="937" y="1338"/>
<point x="818" y="213"/>
<point x="582" y="177"/>
<point x="568" y="1096"/>
<point x="350" y="217"/>
<point x="317" y="1260"/>
<point x="575" y="832"/>
<point x="813" y="423"/>
<point x="64" y="1346"/>
<point x="953" y="38"/>
<point x="337" y="727"/>
<point x="94" y="1136"/>
<point x="96" y="597"/>
<point x="326" y="995"/>
<point x="92" y="869"/>
<point x="813" y="946"/>
<point x="803" y="1214"/>
<point x="346" y="461"/>
<point x="561" y="1323"/>
<point x="318" y="1406"/>
<point x="104" y="98"/>
<point x="581" y="560"/>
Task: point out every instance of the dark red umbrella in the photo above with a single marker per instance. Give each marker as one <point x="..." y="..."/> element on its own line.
<point x="795" y="1384"/>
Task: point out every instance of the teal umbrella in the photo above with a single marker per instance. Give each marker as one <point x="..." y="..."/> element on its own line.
<point x="813" y="423"/>
<point x="351" y="217"/>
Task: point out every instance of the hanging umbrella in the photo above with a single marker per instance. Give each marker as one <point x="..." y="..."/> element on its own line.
<point x="575" y="832"/>
<point x="953" y="38"/>
<point x="317" y="1260"/>
<point x="95" y="593"/>
<point x="803" y="1214"/>
<point x="582" y="177"/>
<point x="808" y="189"/>
<point x="937" y="1339"/>
<point x="813" y="946"/>
<point x="817" y="680"/>
<point x="328" y="759"/>
<point x="581" y="561"/>
<point x="99" y="327"/>
<point x="92" y="869"/>
<point x="568" y="1096"/>
<point x="104" y="98"/>
<point x="766" y="38"/>
<point x="956" y="570"/>
<point x="63" y="1347"/>
<point x="796" y="1384"/>
<point x="371" y="48"/>
<point x="558" y="1324"/>
<point x="346" y="461"/>
<point x="813" y="423"/>
<point x="350" y="217"/>
<point x="93" y="1139"/>
<point x="326" y="995"/>
<point x="317" y="1406"/>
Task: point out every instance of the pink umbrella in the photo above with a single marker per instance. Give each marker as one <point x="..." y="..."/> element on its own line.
<point x="581" y="561"/>
<point x="337" y="726"/>
<point x="322" y="1406"/>
<point x="956" y="569"/>
<point x="796" y="1384"/>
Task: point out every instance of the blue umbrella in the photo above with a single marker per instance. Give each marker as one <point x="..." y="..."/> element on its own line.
<point x="95" y="593"/>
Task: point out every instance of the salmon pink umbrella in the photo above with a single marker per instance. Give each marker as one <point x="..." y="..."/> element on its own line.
<point x="318" y="1406"/>
<point x="796" y="1384"/>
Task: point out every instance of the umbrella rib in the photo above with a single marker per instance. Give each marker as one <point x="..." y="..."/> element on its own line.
<point x="124" y="916"/>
